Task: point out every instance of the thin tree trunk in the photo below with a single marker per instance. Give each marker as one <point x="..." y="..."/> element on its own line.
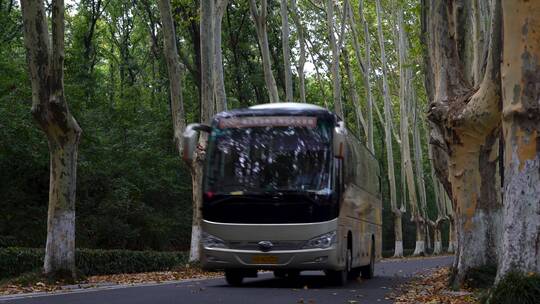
<point x="437" y="248"/>
<point x="420" y="246"/>
<point x="302" y="55"/>
<point x="521" y="129"/>
<point x="451" y="236"/>
<point x="388" y="132"/>
<point x="367" y="83"/>
<point x="50" y="110"/>
<point x="404" y="97"/>
<point x="259" y="19"/>
<point x="359" y="60"/>
<point x="422" y="215"/>
<point x="219" y="78"/>
<point x="336" y="78"/>
<point x="207" y="106"/>
<point x="360" y="121"/>
<point x="174" y="70"/>
<point x="286" y="50"/>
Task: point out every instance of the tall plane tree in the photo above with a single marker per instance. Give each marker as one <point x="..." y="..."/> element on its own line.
<point x="286" y="50"/>
<point x="219" y="79"/>
<point x="388" y="121"/>
<point x="45" y="56"/>
<point x="336" y="78"/>
<point x="521" y="132"/>
<point x="465" y="120"/>
<point x="259" y="17"/>
<point x="177" y="108"/>
<point x="302" y="54"/>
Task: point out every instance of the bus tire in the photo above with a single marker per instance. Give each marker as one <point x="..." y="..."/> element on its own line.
<point x="280" y="274"/>
<point x="368" y="271"/>
<point x="234" y="277"/>
<point x="340" y="277"/>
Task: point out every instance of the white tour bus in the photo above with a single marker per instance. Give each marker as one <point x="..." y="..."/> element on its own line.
<point x="287" y="188"/>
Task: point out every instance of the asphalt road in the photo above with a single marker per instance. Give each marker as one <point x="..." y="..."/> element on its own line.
<point x="310" y="288"/>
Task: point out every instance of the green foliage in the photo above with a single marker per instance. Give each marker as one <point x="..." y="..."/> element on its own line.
<point x="17" y="261"/>
<point x="133" y="191"/>
<point x="516" y="288"/>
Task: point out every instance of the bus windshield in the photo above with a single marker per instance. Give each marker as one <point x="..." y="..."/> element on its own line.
<point x="263" y="159"/>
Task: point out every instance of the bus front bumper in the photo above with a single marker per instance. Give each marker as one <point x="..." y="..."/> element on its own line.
<point x="303" y="259"/>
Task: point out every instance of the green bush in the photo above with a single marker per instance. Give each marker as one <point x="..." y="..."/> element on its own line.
<point x="516" y="288"/>
<point x="16" y="261"/>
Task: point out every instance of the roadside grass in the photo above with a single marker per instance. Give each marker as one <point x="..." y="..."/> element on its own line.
<point x="515" y="288"/>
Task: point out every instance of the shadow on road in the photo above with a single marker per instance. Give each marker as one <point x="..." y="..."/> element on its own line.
<point x="311" y="280"/>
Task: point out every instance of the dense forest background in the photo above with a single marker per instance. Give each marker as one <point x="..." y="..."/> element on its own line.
<point x="133" y="191"/>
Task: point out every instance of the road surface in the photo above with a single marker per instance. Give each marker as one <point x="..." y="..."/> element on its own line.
<point x="310" y="288"/>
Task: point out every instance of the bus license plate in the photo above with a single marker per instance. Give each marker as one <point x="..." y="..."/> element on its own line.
<point x="264" y="259"/>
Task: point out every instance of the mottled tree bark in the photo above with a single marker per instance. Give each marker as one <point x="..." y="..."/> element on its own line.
<point x="360" y="121"/>
<point x="465" y="126"/>
<point x="388" y="135"/>
<point x="208" y="91"/>
<point x="302" y="55"/>
<point x="286" y="50"/>
<point x="421" y="217"/>
<point x="336" y="77"/>
<point x="219" y="78"/>
<point x="259" y="19"/>
<point x="367" y="83"/>
<point x="404" y="101"/>
<point x="174" y="70"/>
<point x="207" y="111"/>
<point x="521" y="132"/>
<point x="50" y="110"/>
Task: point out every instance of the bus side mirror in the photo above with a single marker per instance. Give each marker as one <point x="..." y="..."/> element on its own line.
<point x="191" y="139"/>
<point x="340" y="133"/>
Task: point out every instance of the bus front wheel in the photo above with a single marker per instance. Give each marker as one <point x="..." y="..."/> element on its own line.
<point x="340" y="277"/>
<point x="234" y="277"/>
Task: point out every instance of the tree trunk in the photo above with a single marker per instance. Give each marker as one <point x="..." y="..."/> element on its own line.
<point x="420" y="247"/>
<point x="467" y="120"/>
<point x="286" y="51"/>
<point x="259" y="19"/>
<point x="398" y="235"/>
<point x="405" y="103"/>
<point x="422" y="214"/>
<point x="388" y="133"/>
<point x="521" y="131"/>
<point x="336" y="78"/>
<point x="50" y="110"/>
<point x="451" y="236"/>
<point x="437" y="248"/>
<point x="207" y="106"/>
<point x="367" y="83"/>
<point x="302" y="55"/>
<point x="174" y="69"/>
<point x="219" y="78"/>
<point x="360" y="121"/>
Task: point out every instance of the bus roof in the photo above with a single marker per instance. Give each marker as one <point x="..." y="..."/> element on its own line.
<point x="281" y="108"/>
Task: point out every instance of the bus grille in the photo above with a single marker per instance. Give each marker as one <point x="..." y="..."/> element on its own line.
<point x="278" y="245"/>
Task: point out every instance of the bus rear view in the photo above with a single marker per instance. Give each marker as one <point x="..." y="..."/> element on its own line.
<point x="273" y="189"/>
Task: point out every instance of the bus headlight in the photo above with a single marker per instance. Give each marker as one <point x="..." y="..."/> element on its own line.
<point x="322" y="241"/>
<point x="210" y="241"/>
